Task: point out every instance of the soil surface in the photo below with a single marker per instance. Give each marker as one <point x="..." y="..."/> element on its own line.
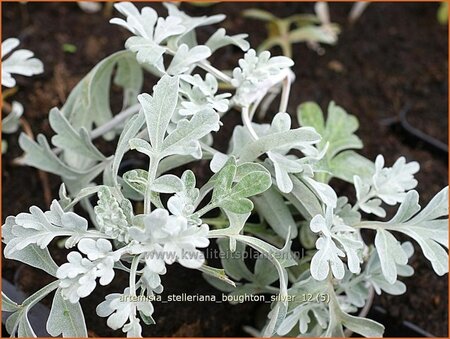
<point x="393" y="58"/>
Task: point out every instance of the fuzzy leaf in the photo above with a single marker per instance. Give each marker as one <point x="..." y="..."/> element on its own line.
<point x="337" y="135"/>
<point x="237" y="223"/>
<point x="39" y="154"/>
<point x="70" y="140"/>
<point x="19" y="62"/>
<point x="271" y="206"/>
<point x="113" y="216"/>
<point x="427" y="227"/>
<point x="286" y="139"/>
<point x="8" y="305"/>
<point x="137" y="179"/>
<point x="168" y="183"/>
<point x="219" y="39"/>
<point x="185" y="138"/>
<point x="89" y="101"/>
<point x="66" y="318"/>
<point x="40" y="228"/>
<point x="184" y="58"/>
<point x="347" y="164"/>
<point x="159" y="109"/>
<point x="10" y="123"/>
<point x="390" y="253"/>
<point x="129" y="131"/>
<point x="217" y="274"/>
<point x="234" y="198"/>
<point x="304" y="199"/>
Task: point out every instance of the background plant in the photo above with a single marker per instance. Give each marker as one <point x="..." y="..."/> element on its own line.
<point x="187" y="109"/>
<point x="19" y="62"/>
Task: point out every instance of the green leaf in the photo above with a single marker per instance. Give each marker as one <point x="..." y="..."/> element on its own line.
<point x="304" y="199"/>
<point x="314" y="34"/>
<point x="442" y="14"/>
<point x="233" y="261"/>
<point x="310" y="114"/>
<point x="271" y="206"/>
<point x="234" y="198"/>
<point x="339" y="130"/>
<point x="217" y="274"/>
<point x="137" y="179"/>
<point x="66" y="318"/>
<point x="259" y="14"/>
<point x="347" y="164"/>
<point x="337" y="136"/>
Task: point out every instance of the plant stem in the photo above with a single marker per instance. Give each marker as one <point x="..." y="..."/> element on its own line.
<point x="372" y="225"/>
<point x="41" y="294"/>
<point x="153" y="167"/>
<point x="247" y="122"/>
<point x="205" y="209"/>
<point x="133" y="269"/>
<point x="208" y="149"/>
<point x="254" y="107"/>
<point x="116" y="120"/>
<point x="214" y="71"/>
<point x="285" y="94"/>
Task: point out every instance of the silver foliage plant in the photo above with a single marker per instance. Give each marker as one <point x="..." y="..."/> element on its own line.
<point x="275" y="174"/>
<point x="21" y="62"/>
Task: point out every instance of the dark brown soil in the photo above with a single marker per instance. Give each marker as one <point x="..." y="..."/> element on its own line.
<point x="394" y="57"/>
